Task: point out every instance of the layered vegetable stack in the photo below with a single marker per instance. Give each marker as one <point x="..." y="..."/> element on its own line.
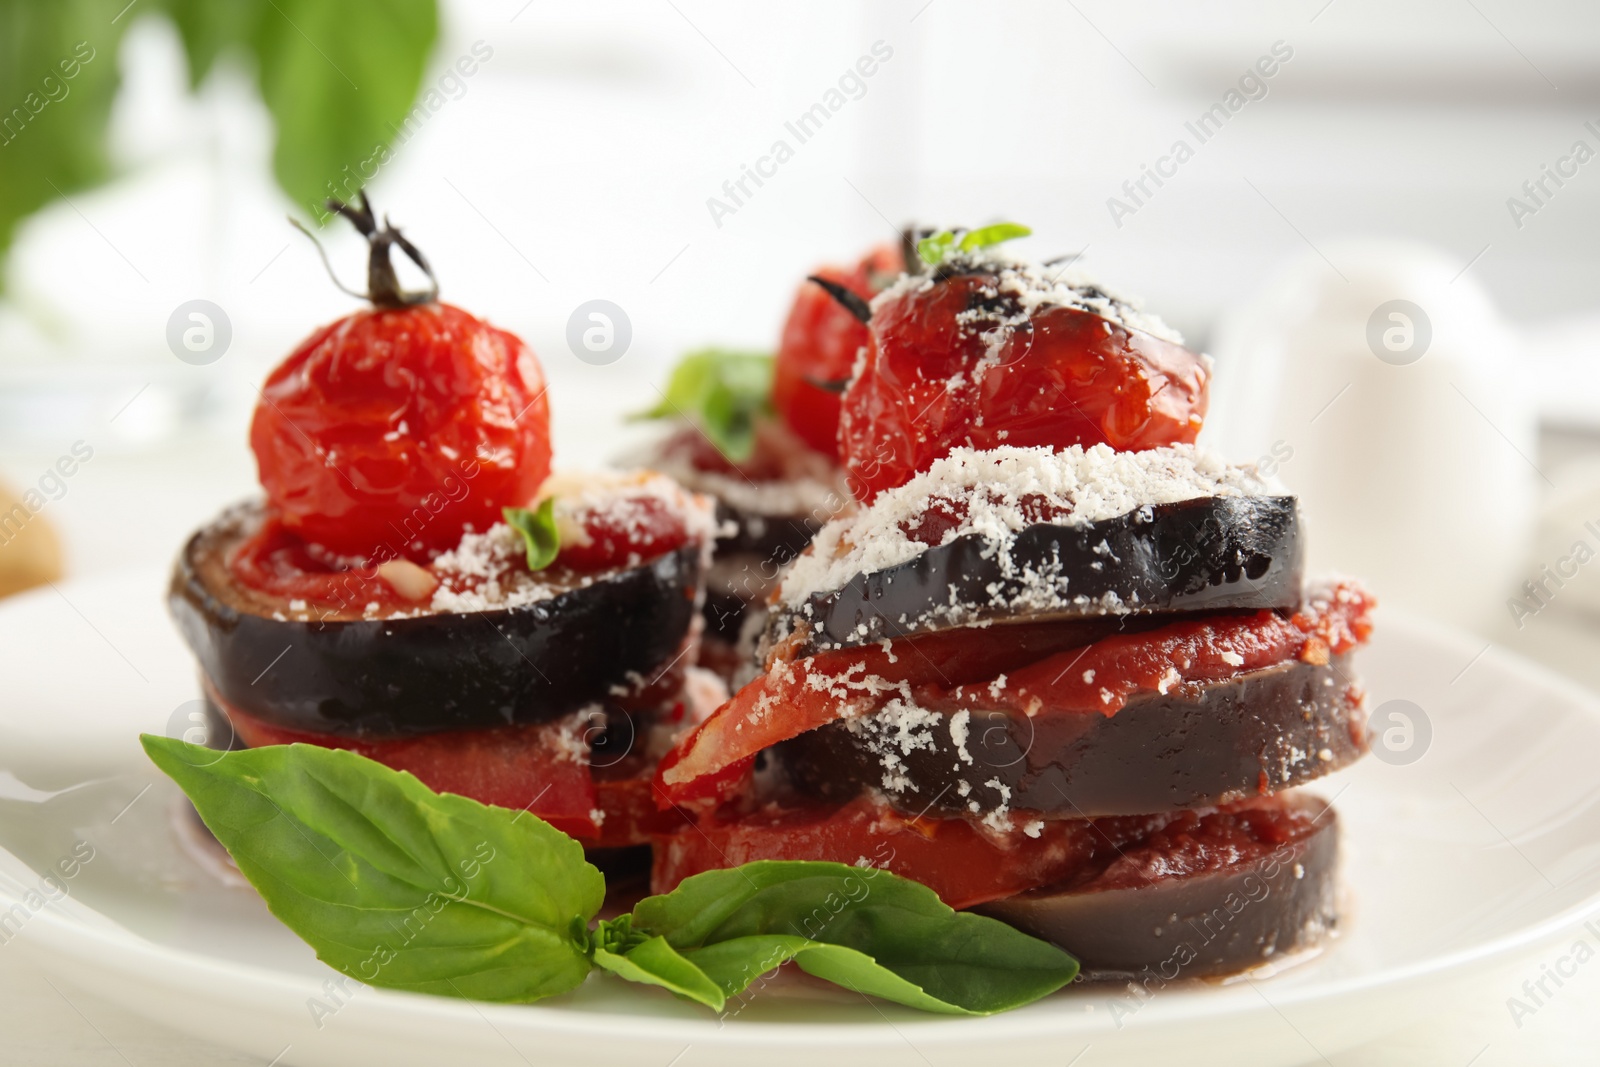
<point x="1061" y="664"/>
<point x="417" y="587"/>
<point x="1005" y="630"/>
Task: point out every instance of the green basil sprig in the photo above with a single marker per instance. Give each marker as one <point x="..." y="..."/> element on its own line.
<point x="721" y="393"/>
<point x="398" y="886"/>
<point x="538" y="530"/>
<point x="933" y="250"/>
<point x="858" y="927"/>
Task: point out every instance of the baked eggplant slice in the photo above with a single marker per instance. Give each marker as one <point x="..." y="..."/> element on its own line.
<point x="1269" y="895"/>
<point x="354" y="676"/>
<point x="1194" y="746"/>
<point x="1205" y="554"/>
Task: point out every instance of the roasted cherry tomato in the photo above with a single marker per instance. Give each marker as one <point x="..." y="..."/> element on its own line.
<point x="402" y="424"/>
<point x="820" y="342"/>
<point x="960" y="361"/>
<point x="402" y="427"/>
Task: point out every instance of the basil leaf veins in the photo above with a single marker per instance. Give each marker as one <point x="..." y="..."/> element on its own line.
<point x="859" y="927"/>
<point x="399" y="886"/>
<point x="393" y="884"/>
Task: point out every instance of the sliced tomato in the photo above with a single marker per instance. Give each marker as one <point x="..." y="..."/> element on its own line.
<point x="1205" y="842"/>
<point x="794" y="697"/>
<point x="1102" y="676"/>
<point x="630" y="814"/>
<point x="537" y="769"/>
<point x="627" y="801"/>
<point x="799" y="695"/>
<point x="969" y="864"/>
<point x="963" y="862"/>
<point x="791" y="698"/>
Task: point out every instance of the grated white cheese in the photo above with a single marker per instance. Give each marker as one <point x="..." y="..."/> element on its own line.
<point x="1030" y="286"/>
<point x="960" y="727"/>
<point x="488" y="571"/>
<point x="896" y="731"/>
<point x="1002" y="491"/>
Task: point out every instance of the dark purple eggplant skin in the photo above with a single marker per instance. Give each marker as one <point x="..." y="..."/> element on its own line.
<point x="752" y="555"/>
<point x="747" y="561"/>
<point x="403" y="677"/>
<point x="1200" y="926"/>
<point x="1195" y="746"/>
<point x="1207" y="554"/>
<point x="776" y="537"/>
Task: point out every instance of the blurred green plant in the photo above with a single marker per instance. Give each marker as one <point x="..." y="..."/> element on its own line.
<point x="337" y="76"/>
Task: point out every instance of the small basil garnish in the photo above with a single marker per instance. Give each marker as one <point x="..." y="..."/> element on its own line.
<point x="935" y="249"/>
<point x="721" y="393"/>
<point x="538" y="530"/>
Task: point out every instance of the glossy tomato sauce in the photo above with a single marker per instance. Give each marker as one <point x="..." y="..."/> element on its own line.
<point x="625" y="531"/>
<point x="968" y="863"/>
<point x="793" y="697"/>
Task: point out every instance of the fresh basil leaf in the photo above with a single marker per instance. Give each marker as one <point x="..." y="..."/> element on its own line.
<point x="58" y="75"/>
<point x="721" y="393"/>
<point x="538" y="530"/>
<point x="735" y="964"/>
<point x="932" y="249"/>
<point x="208" y="28"/>
<point x="393" y="884"/>
<point x="655" y="962"/>
<point x="862" y="928"/>
<point x="340" y="81"/>
<point x="985" y="236"/>
<point x="935" y="249"/>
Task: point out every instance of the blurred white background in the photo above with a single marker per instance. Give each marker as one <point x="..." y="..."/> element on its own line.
<point x="577" y="163"/>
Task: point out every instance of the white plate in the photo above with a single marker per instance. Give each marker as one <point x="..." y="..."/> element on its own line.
<point x="1461" y="865"/>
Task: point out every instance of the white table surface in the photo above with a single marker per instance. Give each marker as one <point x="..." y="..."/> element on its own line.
<point x="130" y="509"/>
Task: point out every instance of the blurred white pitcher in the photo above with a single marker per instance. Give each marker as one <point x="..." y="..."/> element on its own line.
<point x="1391" y="400"/>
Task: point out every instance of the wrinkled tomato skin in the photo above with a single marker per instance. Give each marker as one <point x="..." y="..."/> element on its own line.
<point x="819" y="344"/>
<point x="1066" y="377"/>
<point x="400" y="427"/>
